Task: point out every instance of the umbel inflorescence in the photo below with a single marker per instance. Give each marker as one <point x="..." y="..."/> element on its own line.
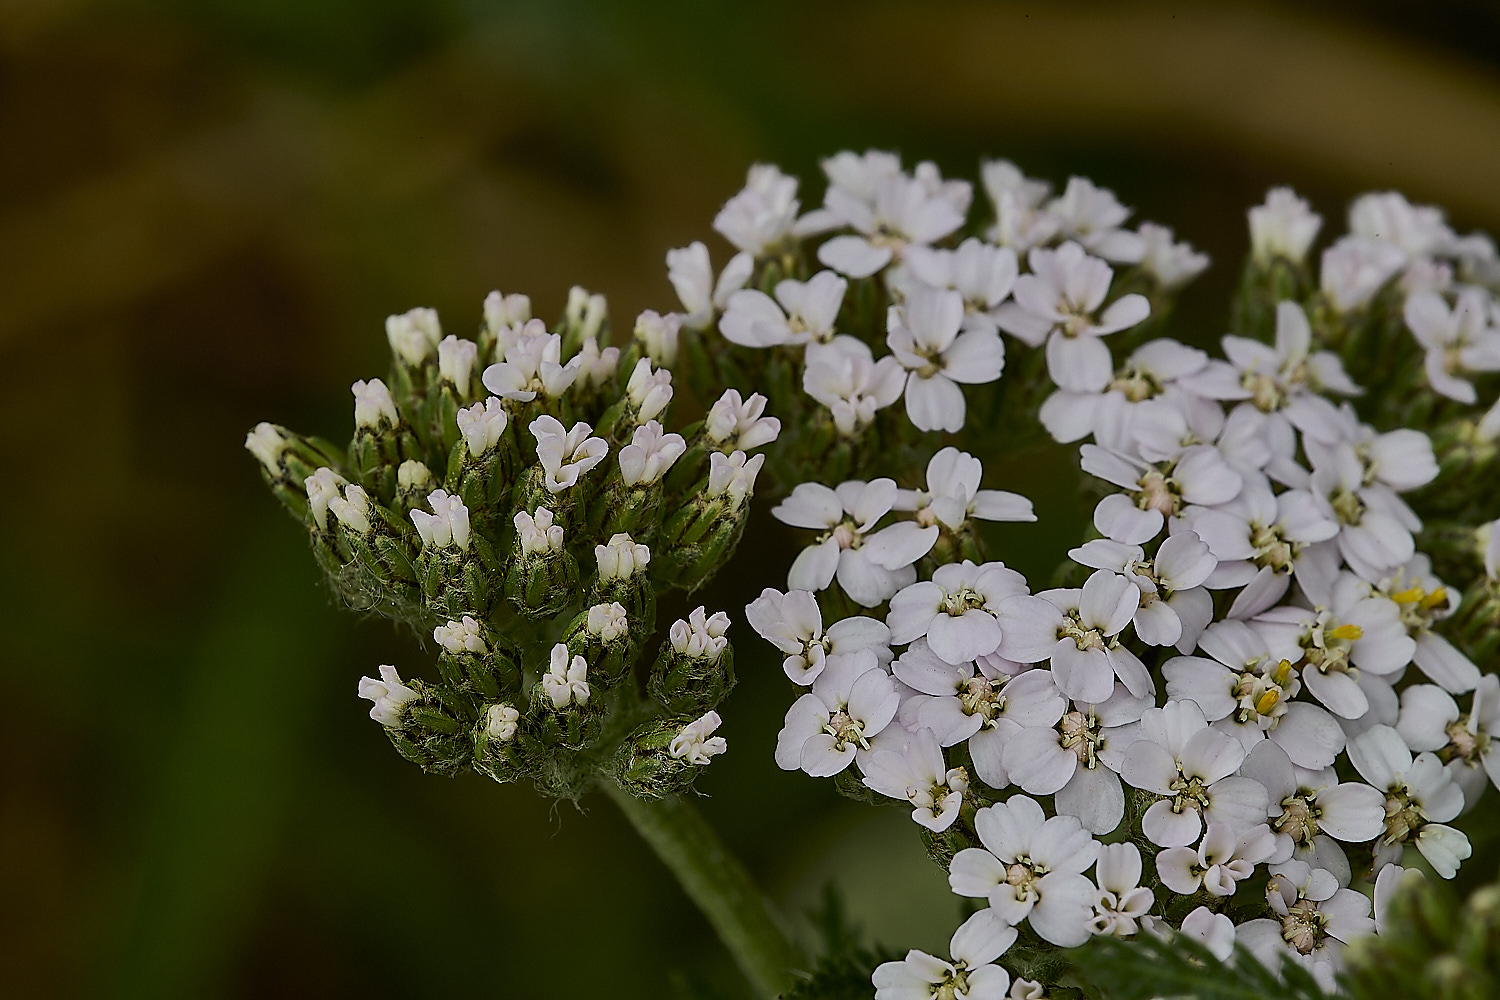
<point x="1254" y="693"/>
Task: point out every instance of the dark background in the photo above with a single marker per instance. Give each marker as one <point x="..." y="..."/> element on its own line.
<point x="206" y="211"/>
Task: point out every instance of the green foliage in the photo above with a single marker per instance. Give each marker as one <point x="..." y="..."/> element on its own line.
<point x="1148" y="967"/>
<point x="844" y="968"/>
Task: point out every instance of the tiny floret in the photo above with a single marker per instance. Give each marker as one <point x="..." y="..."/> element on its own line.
<point x="322" y="486"/>
<point x="565" y="454"/>
<point x="414" y="335"/>
<point x="505" y="310"/>
<point x="500" y="722"/>
<point x="373" y="405"/>
<point x="482" y="425"/>
<point x="413" y="475"/>
<point x="733" y="476"/>
<point x="566" y="680"/>
<point x="700" y="637"/>
<point x="736" y="424"/>
<point x="463" y="636"/>
<point x="538" y="534"/>
<point x="352" y="509"/>
<point x="267" y="443"/>
<point x="696" y="744"/>
<point x="389" y="695"/>
<point x="456" y="361"/>
<point x="658" y="336"/>
<point x="607" y="622"/>
<point x="650" y="453"/>
<point x="448" y="524"/>
<point x="649" y="391"/>
<point x="621" y="559"/>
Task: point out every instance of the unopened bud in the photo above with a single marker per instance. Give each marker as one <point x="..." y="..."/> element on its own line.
<point x="352" y="509"/>
<point x="649" y="391"/>
<point x="585" y="313"/>
<point x="448" y="524"/>
<point x="482" y="425"/>
<point x="505" y="310"/>
<point x="267" y="443"/>
<point x="700" y="637"/>
<point x="621" y="559"/>
<point x="322" y="486"/>
<point x="737" y="425"/>
<point x="389" y="695"/>
<point x="696" y="744"/>
<point x="414" y="335"/>
<point x="566" y="680"/>
<point x="463" y="636"/>
<point x="373" y="406"/>
<point x="500" y="722"/>
<point x="598" y="366"/>
<point x="413" y="475"/>
<point x="733" y="476"/>
<point x="538" y="534"/>
<point x="650" y="454"/>
<point x="607" y="622"/>
<point x="456" y="362"/>
<point x="658" y="336"/>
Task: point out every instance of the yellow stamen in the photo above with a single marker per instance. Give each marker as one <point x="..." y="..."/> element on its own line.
<point x="1409" y="596"/>
<point x="1350" y="632"/>
<point x="1267" y="701"/>
<point x="1432" y="600"/>
<point x="1283" y="671"/>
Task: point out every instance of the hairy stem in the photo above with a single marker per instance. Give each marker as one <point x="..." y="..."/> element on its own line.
<point x="717" y="882"/>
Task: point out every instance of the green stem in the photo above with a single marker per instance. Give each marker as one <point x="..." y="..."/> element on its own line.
<point x="716" y="881"/>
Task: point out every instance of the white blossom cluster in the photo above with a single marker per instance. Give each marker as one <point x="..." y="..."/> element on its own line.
<point x="1251" y="675"/>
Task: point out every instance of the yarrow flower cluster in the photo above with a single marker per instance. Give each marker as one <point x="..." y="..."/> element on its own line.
<point x="1249" y="691"/>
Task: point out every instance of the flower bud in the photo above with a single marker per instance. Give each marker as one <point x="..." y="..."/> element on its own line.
<point x="413" y="335"/>
<point x="695" y="669"/>
<point x="373" y="406"/>
<point x="585" y="313"/>
<point x="456" y="362"/>
<point x="650" y="454"/>
<point x="505" y="310"/>
<point x="482" y="425"/>
<point x="696" y="744"/>
<point x="538" y="535"/>
<point x="322" y="486"/>
<point x="267" y="444"/>
<point x="658" y="335"/>
<point x="602" y="635"/>
<point x="621" y="559"/>
<point x="736" y="425"/>
<point x="732" y="477"/>
<point x="1285" y="226"/>
<point x="565" y="455"/>
<point x="447" y="525"/>
<point x="500" y="722"/>
<point x="647" y="766"/>
<point x="389" y="695"/>
<point x="352" y="509"/>
<point x="413" y="483"/>
<point x="607" y="622"/>
<point x="649" y="392"/>
<point x="598" y="366"/>
<point x="462" y="636"/>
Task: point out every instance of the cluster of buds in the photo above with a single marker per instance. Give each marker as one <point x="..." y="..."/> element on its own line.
<point x="520" y="498"/>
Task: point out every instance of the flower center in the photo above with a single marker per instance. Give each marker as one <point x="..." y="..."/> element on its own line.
<point x="1330" y="647"/>
<point x="1403" y="817"/>
<point x="846" y="533"/>
<point x="962" y="600"/>
<point x="1464" y="745"/>
<point x="1302" y="927"/>
<point x="1420" y="607"/>
<point x="1023" y="874"/>
<point x="1189" y="793"/>
<point x="1265" y="391"/>
<point x="1081" y="734"/>
<point x="1086" y="638"/>
<point x="1263" y="693"/>
<point x="955" y="986"/>
<point x="982" y="697"/>
<point x="1348" y="506"/>
<point x="846" y="730"/>
<point x="1272" y="549"/>
<point x="1136" y="384"/>
<point x="1158" y="493"/>
<point x="1298" y="819"/>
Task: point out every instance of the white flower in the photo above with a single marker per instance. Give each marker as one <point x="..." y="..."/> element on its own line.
<point x="463" y="636"/>
<point x="482" y="425"/>
<point x="983" y="274"/>
<point x="846" y="378"/>
<point x="1020" y="222"/>
<point x="919" y="775"/>
<point x="1355" y="268"/>
<point x="267" y="443"/>
<point x="971" y="975"/>
<point x="1172" y="264"/>
<point x="1307" y="807"/>
<point x="870" y="565"/>
<point x="352" y="509"/>
<point x="1315" y="916"/>
<point x="1075" y="629"/>
<point x="953" y="495"/>
<point x="414" y="335"/>
<point x="649" y="391"/>
<point x="793" y="624"/>
<point x="851" y="702"/>
<point x="322" y="487"/>
<point x="1056" y="304"/>
<point x="701" y="636"/>
<point x="566" y="680"/>
<point x="373" y="405"/>
<point x="538" y="534"/>
<point x="448" y="524"/>
<point x="1030" y="868"/>
<point x="1457" y="341"/>
<point x="597" y="367"/>
<point x="389" y="695"/>
<point x="805" y="314"/>
<point x="1247" y="693"/>
<point x="1121" y="901"/>
<point x="1391" y="880"/>
<point x="1419" y="230"/>
<point x="1192" y="768"/>
<point x="1284" y="226"/>
<point x="456" y="361"/>
<point x="1076" y="759"/>
<point x="607" y="622"/>
<point x="759" y="219"/>
<point x="1431" y="720"/>
<point x="622" y="558"/>
<point x="692" y="275"/>
<point x="955" y="610"/>
<point x="501" y="722"/>
<point x="924" y="334"/>
<point x="1173" y="606"/>
<point x="501" y="311"/>
<point x="658" y="336"/>
<point x="1027" y="989"/>
<point x="1420" y="798"/>
<point x="650" y="453"/>
<point x="1092" y="216"/>
<point x="532" y="365"/>
<point x="696" y="744"/>
<point x="732" y="476"/>
<point x="736" y="424"/>
<point x="566" y="454"/>
<point x="1218" y="863"/>
<point x="1424" y="601"/>
<point x="905" y="211"/>
<point x="1151" y="372"/>
<point x="1200" y="475"/>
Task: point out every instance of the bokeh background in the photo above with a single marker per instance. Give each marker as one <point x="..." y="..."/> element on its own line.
<point x="207" y="208"/>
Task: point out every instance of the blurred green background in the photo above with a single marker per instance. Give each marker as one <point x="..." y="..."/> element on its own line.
<point x="206" y="211"/>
